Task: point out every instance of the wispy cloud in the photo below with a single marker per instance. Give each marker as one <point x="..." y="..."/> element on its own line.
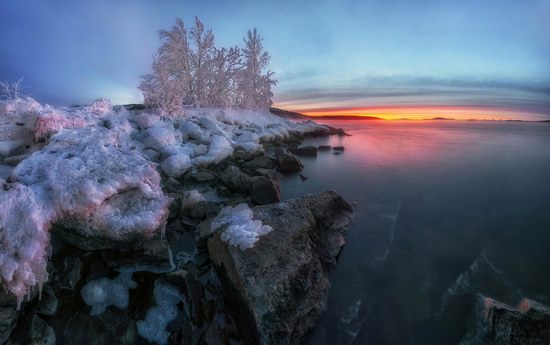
<point x="520" y="96"/>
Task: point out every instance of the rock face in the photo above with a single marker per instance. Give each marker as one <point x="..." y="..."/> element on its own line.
<point x="278" y="288"/>
<point x="304" y="151"/>
<point x="287" y="162"/>
<point x="499" y="323"/>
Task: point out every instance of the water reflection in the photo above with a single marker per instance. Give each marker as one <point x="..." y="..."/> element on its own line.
<point x="445" y="210"/>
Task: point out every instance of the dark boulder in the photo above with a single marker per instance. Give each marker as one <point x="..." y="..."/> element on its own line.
<point x="262" y="162"/>
<point x="500" y="324"/>
<point x="265" y="191"/>
<point x="277" y="289"/>
<point x="338" y="148"/>
<point x="236" y="180"/>
<point x="324" y="148"/>
<point x="32" y="329"/>
<point x="304" y="151"/>
<point x="287" y="162"/>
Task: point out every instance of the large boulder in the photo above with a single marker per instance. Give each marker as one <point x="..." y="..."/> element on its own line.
<point x="287" y="162"/>
<point x="500" y="324"/>
<point x="278" y="288"/>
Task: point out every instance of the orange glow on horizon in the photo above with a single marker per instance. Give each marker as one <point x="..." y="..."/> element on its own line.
<point x="424" y="112"/>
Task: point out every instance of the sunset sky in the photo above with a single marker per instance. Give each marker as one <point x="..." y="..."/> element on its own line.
<point x="387" y="58"/>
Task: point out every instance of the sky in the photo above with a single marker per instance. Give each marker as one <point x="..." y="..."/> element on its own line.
<point x="387" y="58"/>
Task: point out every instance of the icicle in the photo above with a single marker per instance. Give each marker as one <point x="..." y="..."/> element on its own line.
<point x="39" y="291"/>
<point x="19" y="300"/>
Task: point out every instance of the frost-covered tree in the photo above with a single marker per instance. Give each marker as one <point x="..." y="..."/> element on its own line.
<point x="226" y="66"/>
<point x="202" y="57"/>
<point x="188" y="69"/>
<point x="169" y="84"/>
<point x="11" y="91"/>
<point x="161" y="89"/>
<point x="255" y="85"/>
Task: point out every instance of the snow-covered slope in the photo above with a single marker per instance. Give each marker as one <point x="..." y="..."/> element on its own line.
<point x="98" y="169"/>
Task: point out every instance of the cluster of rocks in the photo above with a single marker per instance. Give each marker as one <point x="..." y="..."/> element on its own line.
<point x="273" y="293"/>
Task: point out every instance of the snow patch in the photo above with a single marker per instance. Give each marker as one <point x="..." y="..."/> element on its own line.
<point x="102" y="293"/>
<point x="157" y="318"/>
<point x="176" y="165"/>
<point x="240" y="230"/>
<point x="24" y="239"/>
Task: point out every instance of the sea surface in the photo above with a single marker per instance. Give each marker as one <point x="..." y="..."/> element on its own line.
<point x="447" y="211"/>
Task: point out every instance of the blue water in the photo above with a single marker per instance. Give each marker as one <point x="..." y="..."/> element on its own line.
<point x="436" y="200"/>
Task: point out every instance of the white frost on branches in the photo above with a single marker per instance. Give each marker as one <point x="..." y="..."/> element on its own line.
<point x="188" y="70"/>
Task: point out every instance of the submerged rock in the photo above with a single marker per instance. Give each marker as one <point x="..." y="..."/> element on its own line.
<point x="277" y="289"/>
<point x="304" y="151"/>
<point x="501" y="324"/>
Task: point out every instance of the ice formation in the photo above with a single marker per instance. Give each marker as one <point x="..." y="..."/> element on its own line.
<point x="24" y="239"/>
<point x="240" y="230"/>
<point x="157" y="318"/>
<point x="97" y="183"/>
<point x="104" y="292"/>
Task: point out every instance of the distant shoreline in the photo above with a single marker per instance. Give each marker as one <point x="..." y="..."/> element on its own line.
<point x="299" y="116"/>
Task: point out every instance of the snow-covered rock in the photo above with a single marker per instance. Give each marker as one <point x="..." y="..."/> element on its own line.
<point x="176" y="165"/>
<point x="239" y="228"/>
<point x="97" y="184"/>
<point x="157" y="318"/>
<point x="24" y="239"/>
<point x="104" y="292"/>
<point x="95" y="176"/>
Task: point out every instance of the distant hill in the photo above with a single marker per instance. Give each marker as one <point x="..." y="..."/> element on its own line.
<point x="288" y="114"/>
<point x="346" y="117"/>
<point x="297" y="116"/>
<point x="443" y="118"/>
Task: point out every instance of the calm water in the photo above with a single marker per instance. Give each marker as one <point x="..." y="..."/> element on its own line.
<point x="437" y="200"/>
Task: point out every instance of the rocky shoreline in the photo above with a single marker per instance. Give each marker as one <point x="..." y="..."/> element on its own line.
<point x="100" y="289"/>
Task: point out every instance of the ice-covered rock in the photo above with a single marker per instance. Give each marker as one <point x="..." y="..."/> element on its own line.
<point x="162" y="136"/>
<point x="97" y="185"/>
<point x="220" y="148"/>
<point x="102" y="293"/>
<point x="51" y="122"/>
<point x="24" y="239"/>
<point x="176" y="165"/>
<point x="100" y="106"/>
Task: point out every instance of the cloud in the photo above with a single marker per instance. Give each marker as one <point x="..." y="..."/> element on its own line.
<point x="523" y="96"/>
